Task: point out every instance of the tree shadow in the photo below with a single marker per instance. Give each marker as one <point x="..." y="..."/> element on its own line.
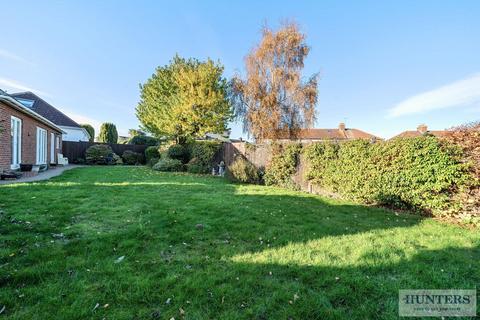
<point x="217" y="250"/>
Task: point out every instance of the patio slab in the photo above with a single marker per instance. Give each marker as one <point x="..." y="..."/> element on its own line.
<point x="50" y="173"/>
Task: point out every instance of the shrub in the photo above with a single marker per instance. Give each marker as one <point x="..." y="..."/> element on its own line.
<point x="169" y="165"/>
<point x="411" y="173"/>
<point x="283" y="165"/>
<point x="196" y="166"/>
<point x="99" y="154"/>
<point x="116" y="159"/>
<point x="152" y="162"/>
<point x="79" y="161"/>
<point x="151" y="153"/>
<point x="143" y="140"/>
<point x="178" y="152"/>
<point x="203" y="153"/>
<point x="132" y="158"/>
<point x="243" y="171"/>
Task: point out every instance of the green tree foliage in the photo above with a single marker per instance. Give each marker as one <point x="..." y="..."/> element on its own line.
<point x="185" y="99"/>
<point x="144" y="140"/>
<point x="135" y="132"/>
<point x="90" y="130"/>
<point x="108" y="133"/>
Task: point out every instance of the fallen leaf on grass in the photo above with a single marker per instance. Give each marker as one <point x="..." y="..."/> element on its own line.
<point x="119" y="259"/>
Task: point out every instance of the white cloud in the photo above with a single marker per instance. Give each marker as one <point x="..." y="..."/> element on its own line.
<point x="13" y="57"/>
<point x="461" y="93"/>
<point x="17" y="86"/>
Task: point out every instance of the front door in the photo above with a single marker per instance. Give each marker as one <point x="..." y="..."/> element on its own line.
<point x="41" y="146"/>
<point x="16" y="141"/>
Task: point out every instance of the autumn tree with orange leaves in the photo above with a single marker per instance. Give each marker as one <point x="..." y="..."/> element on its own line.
<point x="272" y="100"/>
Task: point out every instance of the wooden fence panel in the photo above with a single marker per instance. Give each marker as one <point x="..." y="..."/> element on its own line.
<point x="74" y="150"/>
<point x="259" y="155"/>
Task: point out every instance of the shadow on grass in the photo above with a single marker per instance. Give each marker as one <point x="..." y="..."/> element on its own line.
<point x="216" y="250"/>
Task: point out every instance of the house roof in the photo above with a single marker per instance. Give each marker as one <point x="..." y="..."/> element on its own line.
<point x="15" y="104"/>
<point x="340" y="133"/>
<point x="46" y="110"/>
<point x="422" y="130"/>
<point x="415" y="133"/>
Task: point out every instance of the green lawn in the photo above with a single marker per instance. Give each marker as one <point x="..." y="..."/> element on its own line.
<point x="262" y="253"/>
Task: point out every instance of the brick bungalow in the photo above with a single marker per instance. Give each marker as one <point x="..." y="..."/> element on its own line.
<point x="422" y="130"/>
<point x="25" y="136"/>
<point x="341" y="133"/>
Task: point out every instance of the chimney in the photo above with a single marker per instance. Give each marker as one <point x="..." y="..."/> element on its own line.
<point x="341" y="126"/>
<point x="422" y="128"/>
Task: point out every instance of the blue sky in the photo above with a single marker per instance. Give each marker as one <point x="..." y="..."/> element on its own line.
<point x="386" y="66"/>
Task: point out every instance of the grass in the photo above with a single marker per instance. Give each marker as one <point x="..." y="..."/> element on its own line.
<point x="258" y="253"/>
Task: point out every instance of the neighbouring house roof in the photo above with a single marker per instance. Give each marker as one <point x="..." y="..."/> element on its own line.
<point x="422" y="130"/>
<point x="43" y="108"/>
<point x="15" y="104"/>
<point x="340" y="133"/>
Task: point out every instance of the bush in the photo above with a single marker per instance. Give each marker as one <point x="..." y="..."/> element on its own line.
<point x="203" y="153"/>
<point x="151" y="153"/>
<point x="283" y="165"/>
<point x="169" y="165"/>
<point x="116" y="159"/>
<point x="132" y="158"/>
<point x="411" y="173"/>
<point x="196" y="166"/>
<point x="144" y="140"/>
<point x="99" y="154"/>
<point x="152" y="162"/>
<point x="243" y="171"/>
<point x="178" y="152"/>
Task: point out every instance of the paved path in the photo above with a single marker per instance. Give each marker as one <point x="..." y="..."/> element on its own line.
<point x="53" y="172"/>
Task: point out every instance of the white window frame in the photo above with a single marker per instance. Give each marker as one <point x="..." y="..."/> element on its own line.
<point x="16" y="143"/>
<point x="52" y="148"/>
<point x="41" y="146"/>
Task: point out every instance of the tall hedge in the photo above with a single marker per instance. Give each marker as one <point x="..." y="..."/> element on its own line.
<point x="283" y="165"/>
<point x="108" y="133"/>
<point x="412" y="173"/>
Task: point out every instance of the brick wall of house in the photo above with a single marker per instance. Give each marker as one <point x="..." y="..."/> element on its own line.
<point x="29" y="137"/>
